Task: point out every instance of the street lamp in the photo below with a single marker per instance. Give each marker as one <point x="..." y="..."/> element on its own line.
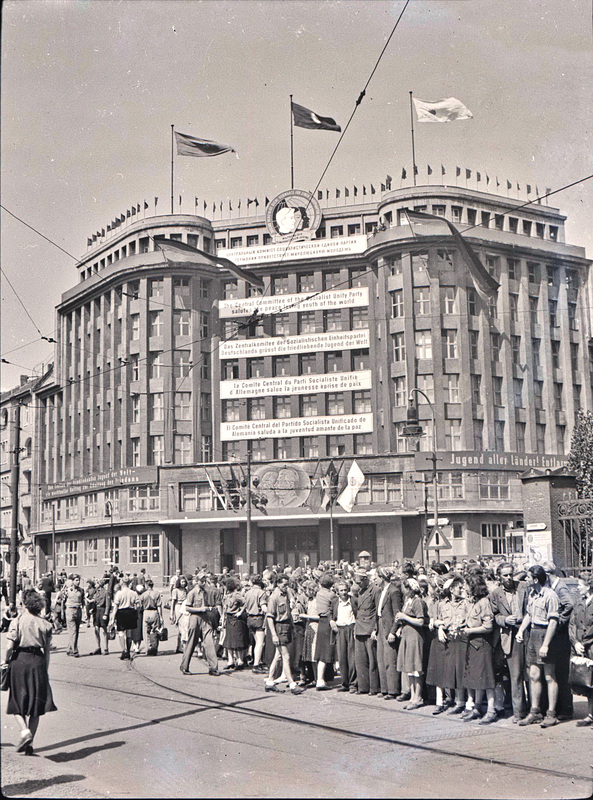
<point x="414" y="430"/>
<point x="109" y="513"/>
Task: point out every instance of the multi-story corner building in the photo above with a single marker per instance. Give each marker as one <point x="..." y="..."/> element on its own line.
<point x="18" y="447"/>
<point x="171" y="369"/>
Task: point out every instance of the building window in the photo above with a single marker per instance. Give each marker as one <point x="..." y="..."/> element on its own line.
<point x="450" y="485"/>
<point x="145" y="548"/>
<point x="204" y="324"/>
<point x="331" y="280"/>
<point x="181" y="363"/>
<point x="230" y="370"/>
<point x="359" y="318"/>
<point x="499" y="436"/>
<point x="474" y="345"/>
<point x="452" y="387"/>
<point x="306" y="322"/>
<point x="335" y="403"/>
<point x="573" y="322"/>
<point x="230" y="451"/>
<point x="472" y="303"/>
<point x="71" y="508"/>
<point x="358" y="277"/>
<point x="363" y="443"/>
<point x="280" y="284"/>
<point x="526" y="227"/>
<point x="448" y="298"/>
<point x="135" y="408"/>
<point x="438" y="210"/>
<point x="135" y="327"/>
<point x="332" y="320"/>
<point x="336" y="231"/>
<point x="493" y="307"/>
<point x="538" y="395"/>
<point x="533" y="271"/>
<point x="333" y="362"/>
<point x="91" y="505"/>
<point x="182" y="406"/>
<point x="450" y="343"/>
<point x="426" y="384"/>
<point x="361" y="402"/>
<point x="533" y="307"/>
<point x="90" y="553"/>
<point x="183" y="448"/>
<point x="188" y="496"/>
<point x="255" y="368"/>
<point x="540" y="438"/>
<point x="516" y="349"/>
<point x="514" y="268"/>
<point x="308" y="405"/>
<point x="419" y="261"/>
<point x="135" y="451"/>
<point x="182" y="323"/>
<point x="520" y="428"/>
<point x="385" y="489"/>
<point x="499" y="222"/>
<point x="157" y="450"/>
<point x="236" y="241"/>
<point x="560" y="438"/>
<point x="360" y="360"/>
<point x="553" y="233"/>
<point x="253" y="241"/>
<point x="155" y="365"/>
<point x="423" y="344"/>
<point x="306" y="282"/>
<point x="71" y="554"/>
<point x="456" y="212"/>
<point x="144" y="498"/>
<point x="256" y="408"/>
<point x="156" y="289"/>
<point x="445" y="259"/>
<point x="206" y="447"/>
<point x="478" y="435"/>
<point x="336" y="446"/>
<point x="156" y="323"/>
<point x="280" y="324"/>
<point x="307" y="364"/>
<point x="282" y="448"/>
<point x="513" y="225"/>
<point x="397" y="303"/>
<point x="495" y="346"/>
<point x="181" y="293"/>
<point x="401" y="397"/>
<point x="231" y="290"/>
<point x="497" y="391"/>
<point x="422" y="300"/>
<point x="514" y="307"/>
<point x="477" y="390"/>
<point x="558" y="396"/>
<point x="281" y="365"/>
<point x="156" y="406"/>
<point x="555" y="354"/>
<point x="399" y="347"/>
<point x="574" y="356"/>
<point x="494" y="485"/>
<point x="495" y="532"/>
<point x="282" y="407"/>
<point x="518" y="392"/>
<point x="309" y="447"/>
<point x="453" y="434"/>
<point x="354" y="230"/>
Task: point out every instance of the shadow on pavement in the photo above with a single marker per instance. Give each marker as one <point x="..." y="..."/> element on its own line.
<point x="27" y="787"/>
<point x="83" y="752"/>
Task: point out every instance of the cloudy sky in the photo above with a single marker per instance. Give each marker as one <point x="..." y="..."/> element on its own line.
<point x="90" y="91"/>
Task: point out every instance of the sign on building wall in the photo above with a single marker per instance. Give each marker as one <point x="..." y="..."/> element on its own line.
<point x="301" y="384"/>
<point x="276" y="304"/>
<point x="304" y="343"/>
<point x="296" y="426"/>
<point x="318" y="248"/>
<point x="539" y="545"/>
<point x="470" y="460"/>
<point x="91" y="483"/>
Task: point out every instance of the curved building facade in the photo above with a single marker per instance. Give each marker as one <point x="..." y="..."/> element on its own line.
<point x="178" y="381"/>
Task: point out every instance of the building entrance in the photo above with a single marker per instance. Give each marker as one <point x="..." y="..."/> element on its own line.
<point x="292" y="547"/>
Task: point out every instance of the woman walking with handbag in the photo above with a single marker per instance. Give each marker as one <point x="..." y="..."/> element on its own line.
<point x="27" y="657"/>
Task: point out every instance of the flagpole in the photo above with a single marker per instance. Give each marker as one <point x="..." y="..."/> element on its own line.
<point x="413" y="144"/>
<point x="291" y="147"/>
<point x="172" y="162"/>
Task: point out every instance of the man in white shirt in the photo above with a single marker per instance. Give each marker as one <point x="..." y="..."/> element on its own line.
<point x="345" y="620"/>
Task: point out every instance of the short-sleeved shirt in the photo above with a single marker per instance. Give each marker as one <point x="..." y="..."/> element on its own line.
<point x="125" y="598"/>
<point x="27" y="630"/>
<point x="279" y="607"/>
<point x="542" y="606"/>
<point x="479" y="613"/>
<point x="326" y="602"/>
<point x="151" y="600"/>
<point x="74" y="597"/>
<point x="254" y="599"/>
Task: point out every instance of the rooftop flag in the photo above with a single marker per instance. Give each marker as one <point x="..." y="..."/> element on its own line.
<point x="305" y="118"/>
<point x="447" y="110"/>
<point x="194" y="146"/>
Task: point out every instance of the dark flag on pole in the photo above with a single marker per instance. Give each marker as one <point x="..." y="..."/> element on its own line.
<point x="138" y="208"/>
<point x="468" y="174"/>
<point x="205" y="205"/>
<point x="382" y="187"/>
<point x="355" y="192"/>
<point x="518" y="188"/>
<point x="337" y="194"/>
<point x="403" y="173"/>
<point x="128" y="214"/>
<point x="196" y="202"/>
<point x="388" y="180"/>
<point x="487" y="179"/>
<point x="509" y="185"/>
<point x="145" y="205"/>
<point x="319" y="194"/>
<point x="267" y="202"/>
<point x="102" y="232"/>
<point x="429" y="170"/>
<point x="133" y="211"/>
<point x="442" y="170"/>
<point x="364" y="190"/>
<point x="214" y="208"/>
<point x="457" y="171"/>
<point x="89" y="242"/>
<point x="497" y="182"/>
<point x="179" y="199"/>
<point x="372" y="189"/>
<point x="346" y="192"/>
<point x="156" y="200"/>
<point x="478" y="177"/>
<point x="415" y="170"/>
<point x="305" y="118"/>
<point x="108" y="228"/>
<point x="528" y="188"/>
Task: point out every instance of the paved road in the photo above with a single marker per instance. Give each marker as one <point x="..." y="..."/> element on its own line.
<point x="143" y="729"/>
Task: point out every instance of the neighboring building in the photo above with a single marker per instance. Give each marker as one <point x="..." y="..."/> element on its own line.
<point x="169" y="369"/>
<point x="21" y="401"/>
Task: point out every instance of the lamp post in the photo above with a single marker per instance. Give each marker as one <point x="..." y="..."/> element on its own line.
<point x="413" y="429"/>
<point x="109" y="512"/>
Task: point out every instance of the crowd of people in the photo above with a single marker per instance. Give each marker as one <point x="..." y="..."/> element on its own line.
<point x="475" y="640"/>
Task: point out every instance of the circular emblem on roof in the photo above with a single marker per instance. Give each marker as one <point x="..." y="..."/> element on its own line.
<point x="294" y="214"/>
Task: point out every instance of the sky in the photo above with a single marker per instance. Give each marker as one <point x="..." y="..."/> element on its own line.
<point x="90" y="90"/>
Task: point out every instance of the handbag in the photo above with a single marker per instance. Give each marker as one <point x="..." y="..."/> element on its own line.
<point x="111" y="632"/>
<point x="5" y="678"/>
<point x="581" y="671"/>
<point x="163" y="634"/>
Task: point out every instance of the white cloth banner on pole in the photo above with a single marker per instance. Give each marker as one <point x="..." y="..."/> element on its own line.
<point x="355" y="480"/>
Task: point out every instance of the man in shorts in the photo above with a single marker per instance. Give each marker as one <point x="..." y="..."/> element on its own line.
<point x="541" y="616"/>
<point x="255" y="607"/>
<point x="279" y="621"/>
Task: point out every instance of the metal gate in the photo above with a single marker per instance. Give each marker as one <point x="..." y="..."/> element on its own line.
<point x="576" y="519"/>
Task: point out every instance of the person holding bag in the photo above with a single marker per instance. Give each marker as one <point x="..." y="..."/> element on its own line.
<point x="27" y="658"/>
<point x="580" y="632"/>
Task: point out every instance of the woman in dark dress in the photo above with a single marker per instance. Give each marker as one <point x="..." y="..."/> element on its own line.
<point x="410" y="657"/>
<point x="236" y="632"/>
<point x="29" y="640"/>
<point x="478" y="673"/>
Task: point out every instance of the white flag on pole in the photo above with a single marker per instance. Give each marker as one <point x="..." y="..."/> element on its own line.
<point x="355" y="480"/>
<point x="447" y="110"/>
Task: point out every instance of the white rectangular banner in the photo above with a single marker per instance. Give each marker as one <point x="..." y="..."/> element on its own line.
<point x="307" y="301"/>
<point x="298" y="384"/>
<point x="286" y="251"/>
<point x="297" y="426"/>
<point x="304" y="343"/>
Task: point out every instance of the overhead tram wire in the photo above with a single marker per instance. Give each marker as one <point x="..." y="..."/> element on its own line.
<point x="41" y="336"/>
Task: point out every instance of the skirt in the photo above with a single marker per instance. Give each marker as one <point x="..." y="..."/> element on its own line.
<point x="441" y="665"/>
<point x="30" y="692"/>
<point x="324" y="642"/>
<point x="237" y="633"/>
<point x="411" y="649"/>
<point x="478" y="671"/>
<point x="310" y="641"/>
<point x="126" y="619"/>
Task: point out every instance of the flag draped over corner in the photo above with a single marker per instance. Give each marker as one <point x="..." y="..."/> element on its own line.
<point x="447" y="110"/>
<point x="483" y="280"/>
<point x="181" y="253"/>
<point x="194" y="146"/>
<point x="305" y="118"/>
<point x="355" y="480"/>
